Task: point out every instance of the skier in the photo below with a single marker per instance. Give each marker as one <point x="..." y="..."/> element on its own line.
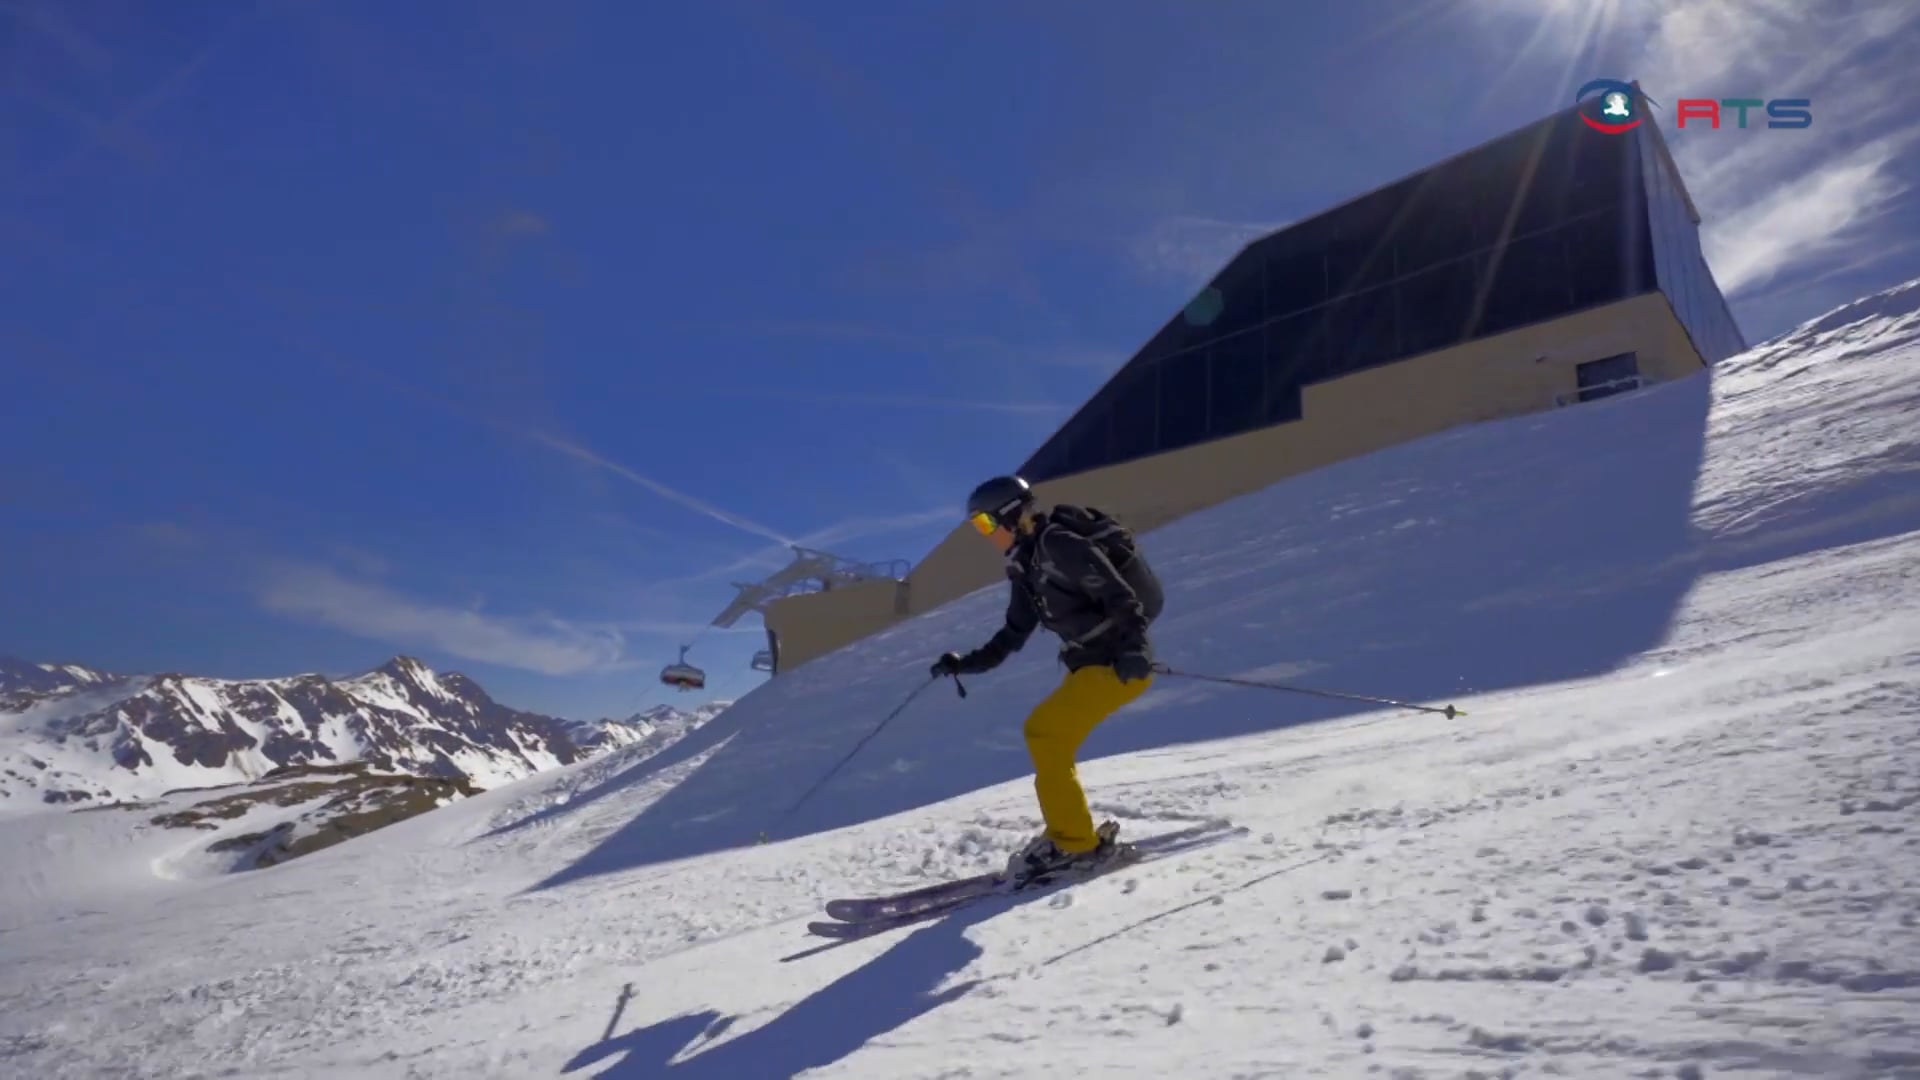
<point x="1076" y="572"/>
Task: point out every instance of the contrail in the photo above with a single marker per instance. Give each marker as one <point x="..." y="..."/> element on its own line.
<point x="581" y="453"/>
<point x="552" y="442"/>
<point x="918" y="401"/>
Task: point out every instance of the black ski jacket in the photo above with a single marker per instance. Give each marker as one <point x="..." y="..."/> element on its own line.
<point x="1084" y="600"/>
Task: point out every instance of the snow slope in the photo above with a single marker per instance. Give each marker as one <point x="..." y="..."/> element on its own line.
<point x="1674" y="834"/>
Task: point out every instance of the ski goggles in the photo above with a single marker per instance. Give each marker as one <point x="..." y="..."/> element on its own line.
<point x="984" y="523"/>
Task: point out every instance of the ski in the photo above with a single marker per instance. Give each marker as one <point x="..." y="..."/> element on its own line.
<point x="858" y="917"/>
<point x="866" y="909"/>
<point x="907" y="916"/>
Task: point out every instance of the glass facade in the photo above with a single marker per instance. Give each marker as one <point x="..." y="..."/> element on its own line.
<point x="1680" y="266"/>
<point x="1535" y="225"/>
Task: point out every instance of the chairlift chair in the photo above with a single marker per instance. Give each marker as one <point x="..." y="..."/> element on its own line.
<point x="683" y="675"/>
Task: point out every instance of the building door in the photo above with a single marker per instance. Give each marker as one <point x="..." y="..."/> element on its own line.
<point x="1607" y="376"/>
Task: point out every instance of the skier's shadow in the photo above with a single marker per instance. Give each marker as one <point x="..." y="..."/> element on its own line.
<point x="894" y="988"/>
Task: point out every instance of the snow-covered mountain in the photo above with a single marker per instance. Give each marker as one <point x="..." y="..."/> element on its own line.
<point x="20" y="681"/>
<point x="73" y="735"/>
<point x="1673" y="832"/>
<point x="665" y="724"/>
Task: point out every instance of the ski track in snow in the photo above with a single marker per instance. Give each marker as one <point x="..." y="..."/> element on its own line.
<point x="1703" y="861"/>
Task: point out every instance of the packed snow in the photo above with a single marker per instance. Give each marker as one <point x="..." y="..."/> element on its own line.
<point x="1672" y="834"/>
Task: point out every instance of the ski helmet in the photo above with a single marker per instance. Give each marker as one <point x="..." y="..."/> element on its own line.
<point x="999" y="500"/>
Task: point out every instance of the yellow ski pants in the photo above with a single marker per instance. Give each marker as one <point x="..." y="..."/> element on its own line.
<point x="1055" y="729"/>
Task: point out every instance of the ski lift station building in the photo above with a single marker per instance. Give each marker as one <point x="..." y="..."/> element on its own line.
<point x="1551" y="266"/>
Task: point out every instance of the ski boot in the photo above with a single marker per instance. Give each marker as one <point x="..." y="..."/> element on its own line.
<point x="1042" y="858"/>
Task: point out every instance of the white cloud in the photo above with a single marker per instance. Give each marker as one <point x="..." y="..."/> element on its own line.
<point x="1774" y="203"/>
<point x="1193" y="247"/>
<point x="1818" y="215"/>
<point x="1795" y="47"/>
<point x="545" y="644"/>
<point x="368" y="563"/>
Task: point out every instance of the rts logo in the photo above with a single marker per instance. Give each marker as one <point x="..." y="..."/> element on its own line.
<point x="1618" y="107"/>
<point x="1781" y="112"/>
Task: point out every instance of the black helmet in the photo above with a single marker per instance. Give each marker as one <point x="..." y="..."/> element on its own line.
<point x="1000" y="498"/>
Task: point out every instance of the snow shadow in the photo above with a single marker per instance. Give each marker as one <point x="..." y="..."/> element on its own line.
<point x="881" y="996"/>
<point x="1515" y="552"/>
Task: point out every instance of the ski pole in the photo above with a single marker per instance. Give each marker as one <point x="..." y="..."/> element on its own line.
<point x="1449" y="711"/>
<point x="864" y="739"/>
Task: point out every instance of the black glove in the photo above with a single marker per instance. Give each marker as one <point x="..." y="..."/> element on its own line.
<point x="948" y="664"/>
<point x="1133" y="665"/>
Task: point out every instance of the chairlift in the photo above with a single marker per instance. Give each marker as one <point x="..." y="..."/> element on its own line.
<point x="768" y="659"/>
<point x="682" y="674"/>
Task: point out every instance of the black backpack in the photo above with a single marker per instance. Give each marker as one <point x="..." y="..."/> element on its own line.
<point x="1117" y="543"/>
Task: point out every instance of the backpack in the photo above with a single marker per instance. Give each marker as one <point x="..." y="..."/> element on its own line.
<point x="1116" y="542"/>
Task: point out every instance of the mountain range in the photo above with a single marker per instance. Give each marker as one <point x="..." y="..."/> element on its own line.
<point x="75" y="735"/>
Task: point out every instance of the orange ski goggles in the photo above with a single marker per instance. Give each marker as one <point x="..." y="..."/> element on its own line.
<point x="984" y="523"/>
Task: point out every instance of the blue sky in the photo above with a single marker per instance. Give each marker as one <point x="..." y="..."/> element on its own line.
<point x="508" y="335"/>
